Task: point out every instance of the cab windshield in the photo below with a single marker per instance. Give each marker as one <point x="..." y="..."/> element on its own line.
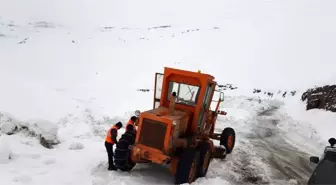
<point x="185" y="93"/>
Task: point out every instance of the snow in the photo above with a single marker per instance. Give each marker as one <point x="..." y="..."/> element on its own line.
<point x="321" y="120"/>
<point x="311" y="129"/>
<point x="46" y="129"/>
<point x="7" y="123"/>
<point x="249" y="35"/>
<point x="71" y="69"/>
<point x="5" y="150"/>
<point x="76" y="146"/>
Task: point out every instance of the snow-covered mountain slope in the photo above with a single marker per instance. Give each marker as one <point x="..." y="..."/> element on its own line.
<point x="70" y="69"/>
<point x="240" y="42"/>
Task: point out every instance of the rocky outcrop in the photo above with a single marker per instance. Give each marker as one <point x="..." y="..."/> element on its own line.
<point x="270" y="94"/>
<point x="143" y="90"/>
<point x="226" y="87"/>
<point x="321" y="98"/>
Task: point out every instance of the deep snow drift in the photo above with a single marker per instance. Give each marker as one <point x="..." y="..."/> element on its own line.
<point x="70" y="69"/>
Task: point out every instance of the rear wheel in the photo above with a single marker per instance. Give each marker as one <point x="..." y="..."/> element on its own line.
<point x="205" y="158"/>
<point x="122" y="154"/>
<point x="228" y="138"/>
<point x="186" y="171"/>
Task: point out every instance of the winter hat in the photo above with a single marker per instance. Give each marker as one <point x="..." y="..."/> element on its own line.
<point x="119" y="124"/>
<point x="133" y="118"/>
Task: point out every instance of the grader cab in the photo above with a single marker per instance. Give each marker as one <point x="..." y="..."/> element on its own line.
<point x="179" y="129"/>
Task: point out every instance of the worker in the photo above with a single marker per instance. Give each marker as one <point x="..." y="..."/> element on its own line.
<point x="130" y="127"/>
<point x="172" y="103"/>
<point x="110" y="140"/>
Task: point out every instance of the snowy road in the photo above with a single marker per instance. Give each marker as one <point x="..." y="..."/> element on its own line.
<point x="286" y="161"/>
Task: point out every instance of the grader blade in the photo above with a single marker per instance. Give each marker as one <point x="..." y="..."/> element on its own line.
<point x="220" y="153"/>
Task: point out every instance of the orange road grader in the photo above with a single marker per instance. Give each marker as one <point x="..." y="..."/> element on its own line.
<point x="178" y="131"/>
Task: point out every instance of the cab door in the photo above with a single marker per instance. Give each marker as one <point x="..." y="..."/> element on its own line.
<point x="157" y="89"/>
<point x="205" y="106"/>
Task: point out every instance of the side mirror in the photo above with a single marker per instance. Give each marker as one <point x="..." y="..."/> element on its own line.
<point x="314" y="159"/>
<point x="332" y="142"/>
<point x="137" y="113"/>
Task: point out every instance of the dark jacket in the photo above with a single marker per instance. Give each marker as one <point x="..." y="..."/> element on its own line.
<point x="114" y="134"/>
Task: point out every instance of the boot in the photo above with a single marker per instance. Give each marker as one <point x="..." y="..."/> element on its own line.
<point x="112" y="168"/>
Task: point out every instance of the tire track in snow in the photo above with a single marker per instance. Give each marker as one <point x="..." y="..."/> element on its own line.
<point x="286" y="161"/>
<point x="261" y="154"/>
<point x="241" y="167"/>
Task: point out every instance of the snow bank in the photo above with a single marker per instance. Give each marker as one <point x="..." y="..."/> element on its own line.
<point x="8" y="128"/>
<point x="76" y="141"/>
<point x="8" y="124"/>
<point x="322" y="121"/>
<point x="5" y="150"/>
<point x="82" y="125"/>
<point x="43" y="130"/>
<point x="307" y="130"/>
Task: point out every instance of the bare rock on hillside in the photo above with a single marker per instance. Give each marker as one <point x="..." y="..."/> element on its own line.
<point x="323" y="97"/>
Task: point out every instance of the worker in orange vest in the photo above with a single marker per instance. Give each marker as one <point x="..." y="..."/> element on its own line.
<point x="110" y="140"/>
<point x="130" y="127"/>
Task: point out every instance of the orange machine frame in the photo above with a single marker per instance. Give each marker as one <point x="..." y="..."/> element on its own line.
<point x="159" y="156"/>
<point x="180" y="76"/>
<point x="187" y="77"/>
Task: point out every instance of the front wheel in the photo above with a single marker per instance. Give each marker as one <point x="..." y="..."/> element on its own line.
<point x="186" y="171"/>
<point x="122" y="154"/>
<point x="205" y="158"/>
<point x="228" y="138"/>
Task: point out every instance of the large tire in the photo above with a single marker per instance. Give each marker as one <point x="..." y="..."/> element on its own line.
<point x="205" y="158"/>
<point x="122" y="154"/>
<point x="186" y="171"/>
<point x="228" y="139"/>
